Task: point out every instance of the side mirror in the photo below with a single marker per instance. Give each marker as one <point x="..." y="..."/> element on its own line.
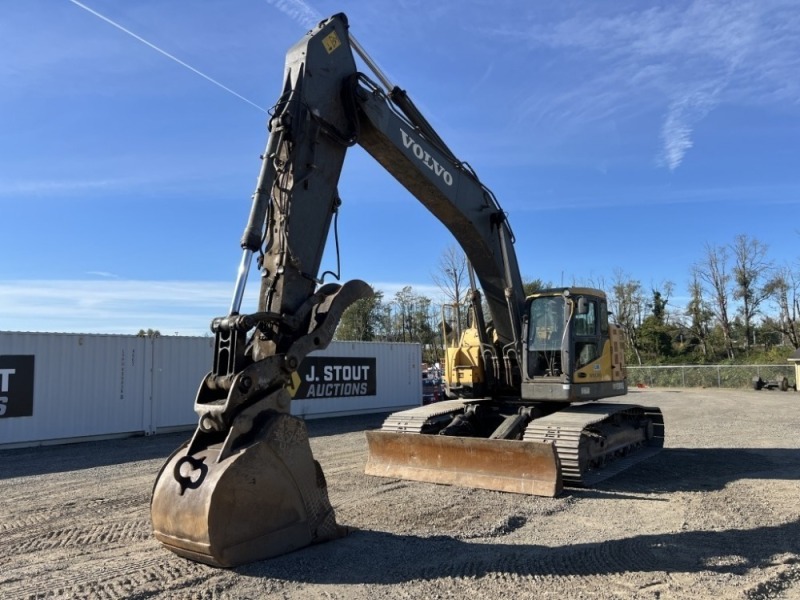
<point x="583" y="306"/>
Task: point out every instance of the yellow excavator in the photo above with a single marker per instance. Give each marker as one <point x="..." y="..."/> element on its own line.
<point x="521" y="414"/>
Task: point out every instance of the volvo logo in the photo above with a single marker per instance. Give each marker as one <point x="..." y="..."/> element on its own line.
<point x="427" y="159"/>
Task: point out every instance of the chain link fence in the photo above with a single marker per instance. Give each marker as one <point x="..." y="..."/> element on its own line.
<point x="723" y="376"/>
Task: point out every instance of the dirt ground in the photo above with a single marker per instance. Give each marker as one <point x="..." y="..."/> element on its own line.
<point x="715" y="514"/>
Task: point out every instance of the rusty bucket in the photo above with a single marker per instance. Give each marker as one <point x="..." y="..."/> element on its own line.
<point x="265" y="499"/>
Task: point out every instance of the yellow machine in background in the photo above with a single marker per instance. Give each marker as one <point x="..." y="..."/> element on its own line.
<point x="572" y="351"/>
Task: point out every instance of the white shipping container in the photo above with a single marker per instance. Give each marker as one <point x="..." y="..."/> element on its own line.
<point x="62" y="387"/>
<point x="179" y="365"/>
<point x="82" y="385"/>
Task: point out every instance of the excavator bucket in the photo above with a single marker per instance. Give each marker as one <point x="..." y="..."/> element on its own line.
<point x="503" y="465"/>
<point x="263" y="500"/>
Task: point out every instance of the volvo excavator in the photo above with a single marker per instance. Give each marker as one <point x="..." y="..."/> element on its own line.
<point x="521" y="414"/>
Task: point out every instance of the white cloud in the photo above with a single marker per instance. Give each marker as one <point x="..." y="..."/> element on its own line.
<point x="683" y="113"/>
<point x="389" y="290"/>
<point x="111" y="305"/>
<point x="125" y="306"/>
<point x="42" y="186"/>
<point x="682" y="60"/>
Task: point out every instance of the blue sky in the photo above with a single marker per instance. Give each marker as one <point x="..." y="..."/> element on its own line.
<point x="619" y="136"/>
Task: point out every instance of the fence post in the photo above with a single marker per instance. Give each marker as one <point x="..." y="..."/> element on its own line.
<point x="719" y="377"/>
<point x="683" y="376"/>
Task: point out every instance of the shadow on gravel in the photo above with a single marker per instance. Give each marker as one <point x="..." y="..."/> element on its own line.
<point x="671" y="470"/>
<point x="372" y="557"/>
<point x="702" y="469"/>
<point x="350" y="424"/>
<point x="41" y="460"/>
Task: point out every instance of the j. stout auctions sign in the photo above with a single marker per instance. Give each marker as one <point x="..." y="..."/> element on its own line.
<point x="329" y="377"/>
<point x="16" y="386"/>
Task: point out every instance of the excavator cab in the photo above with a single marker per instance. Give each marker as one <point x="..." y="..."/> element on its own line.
<point x="571" y="352"/>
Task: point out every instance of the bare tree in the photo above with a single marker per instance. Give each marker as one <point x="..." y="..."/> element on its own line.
<point x="713" y="272"/>
<point x="452" y="278"/>
<point x="750" y="268"/>
<point x="784" y="288"/>
<point x="627" y="303"/>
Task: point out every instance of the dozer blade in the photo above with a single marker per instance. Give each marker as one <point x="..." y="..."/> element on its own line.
<point x="503" y="465"/>
<point x="263" y="500"/>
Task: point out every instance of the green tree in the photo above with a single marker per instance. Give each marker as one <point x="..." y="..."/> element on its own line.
<point x="531" y="286"/>
<point x="413" y="315"/>
<point x="654" y="333"/>
<point x="151" y="333"/>
<point x="699" y="315"/>
<point x="361" y="320"/>
<point x="404" y="303"/>
<point x="425" y="330"/>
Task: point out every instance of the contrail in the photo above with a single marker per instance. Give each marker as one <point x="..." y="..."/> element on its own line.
<point x="298" y="10"/>
<point x="165" y="53"/>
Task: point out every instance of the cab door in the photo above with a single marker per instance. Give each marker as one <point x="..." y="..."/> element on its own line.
<point x="589" y="336"/>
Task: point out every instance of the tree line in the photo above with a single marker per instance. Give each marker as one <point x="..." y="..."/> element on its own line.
<point x="742" y="307"/>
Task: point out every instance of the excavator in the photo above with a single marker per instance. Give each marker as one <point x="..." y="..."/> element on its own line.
<point x="521" y="412"/>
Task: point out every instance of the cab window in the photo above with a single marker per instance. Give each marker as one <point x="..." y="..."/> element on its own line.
<point x="603" y="319"/>
<point x="586" y="349"/>
<point x="586" y="324"/>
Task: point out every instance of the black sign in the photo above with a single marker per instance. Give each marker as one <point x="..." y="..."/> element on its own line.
<point x="329" y="377"/>
<point x="16" y="386"/>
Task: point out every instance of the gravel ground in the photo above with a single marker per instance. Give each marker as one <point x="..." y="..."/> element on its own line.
<point x="715" y="514"/>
